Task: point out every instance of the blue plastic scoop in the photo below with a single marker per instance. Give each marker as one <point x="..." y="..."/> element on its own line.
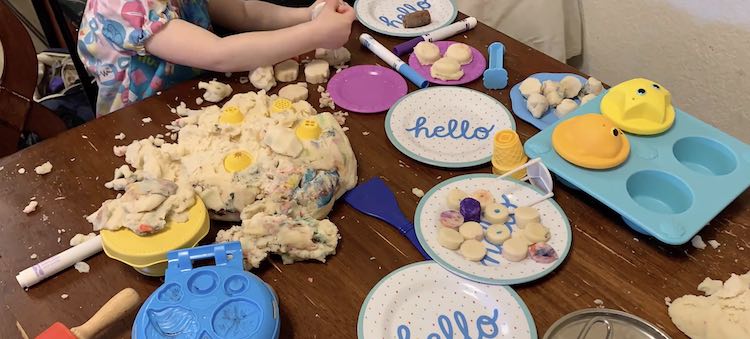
<point x="375" y="199"/>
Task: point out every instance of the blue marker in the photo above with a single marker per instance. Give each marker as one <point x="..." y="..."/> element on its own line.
<point x="392" y="60"/>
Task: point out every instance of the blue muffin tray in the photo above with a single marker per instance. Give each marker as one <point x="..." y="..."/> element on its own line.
<point x="219" y="301"/>
<point x="671" y="185"/>
<point x="518" y="102"/>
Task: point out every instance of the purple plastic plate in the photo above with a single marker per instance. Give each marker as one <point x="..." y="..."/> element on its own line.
<point x="472" y="71"/>
<point x="367" y="88"/>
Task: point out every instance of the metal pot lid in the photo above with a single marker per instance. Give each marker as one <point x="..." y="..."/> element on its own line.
<point x="603" y="324"/>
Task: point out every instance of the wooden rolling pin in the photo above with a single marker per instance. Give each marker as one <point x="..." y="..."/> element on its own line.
<point x="113" y="310"/>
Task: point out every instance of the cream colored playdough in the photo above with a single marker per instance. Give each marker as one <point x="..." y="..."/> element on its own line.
<point x="471" y="230"/>
<point x="515" y="249"/>
<point x="496" y="214"/>
<point x="459" y="52"/>
<point x="263" y="78"/>
<point x="525" y="215"/>
<point x="446" y="69"/>
<point x="334" y="57"/>
<point x="536" y="232"/>
<point x="484" y="197"/>
<point x="286" y="71"/>
<point x="449" y="238"/>
<point x="566" y="106"/>
<point x="454" y="198"/>
<point x="570" y="86"/>
<point x="317" y="71"/>
<point x="530" y="86"/>
<point x="427" y="53"/>
<point x="537" y="104"/>
<point x="724" y="312"/>
<point x="215" y="91"/>
<point x="473" y="250"/>
<point x="497" y="234"/>
<point x="295" y="92"/>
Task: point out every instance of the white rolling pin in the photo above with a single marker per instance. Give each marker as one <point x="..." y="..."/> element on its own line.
<point x="59" y="262"/>
<point x="436" y="35"/>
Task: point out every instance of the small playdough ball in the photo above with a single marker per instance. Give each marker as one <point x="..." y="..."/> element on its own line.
<point x="542" y="253"/>
<point x="417" y="19"/>
<point x="451" y="219"/>
<point x="566" y="106"/>
<point x="449" y="238"/>
<point x="459" y="52"/>
<point x="317" y="71"/>
<point x="286" y="71"/>
<point x="515" y="249"/>
<point x="525" y="215"/>
<point x="470" y="209"/>
<point x="454" y="198"/>
<point x="496" y="214"/>
<point x="497" y="234"/>
<point x="530" y="86"/>
<point x="446" y="69"/>
<point x="536" y="232"/>
<point x="471" y="230"/>
<point x="537" y="104"/>
<point x="570" y="86"/>
<point x="484" y="197"/>
<point x="473" y="250"/>
<point x="427" y="53"/>
<point x="593" y="86"/>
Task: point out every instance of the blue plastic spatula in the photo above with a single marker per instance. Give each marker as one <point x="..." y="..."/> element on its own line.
<point x="375" y="199"/>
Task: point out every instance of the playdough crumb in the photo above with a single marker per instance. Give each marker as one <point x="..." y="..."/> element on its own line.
<point x="310" y="280"/>
<point x="244" y="80"/>
<point x="120" y="136"/>
<point x="31" y="207"/>
<point x="715" y="244"/>
<point x="59" y="240"/>
<point x="21" y="170"/>
<point x="81" y="238"/>
<point x="697" y="242"/>
<point x="372" y="258"/>
<point x="43" y="168"/>
<point x="33" y="256"/>
<point x="146" y="120"/>
<point x="64" y="296"/>
<point x="228" y="74"/>
<point x="82" y="267"/>
<point x="418" y="192"/>
<point x="321" y="89"/>
<point x="667" y="301"/>
<point x="599" y="303"/>
<point x="199" y="101"/>
<point x="44" y="218"/>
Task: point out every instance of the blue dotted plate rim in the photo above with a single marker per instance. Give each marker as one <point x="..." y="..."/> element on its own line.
<point x="364" y="22"/>
<point x="521" y="304"/>
<point x="490" y="281"/>
<point x="403" y="149"/>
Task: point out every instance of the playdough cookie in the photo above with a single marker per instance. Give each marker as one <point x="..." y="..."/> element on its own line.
<point x="471" y="230"/>
<point x="536" y="232"/>
<point x="473" y="250"/>
<point x="525" y="215"/>
<point x="295" y="92"/>
<point x="496" y="214"/>
<point x="515" y="249"/>
<point x="427" y="53"/>
<point x="497" y="234"/>
<point x="449" y="238"/>
<point x="263" y="78"/>
<point x="484" y="197"/>
<point x="454" y="198"/>
<point x="317" y="71"/>
<point x="451" y="218"/>
<point x="542" y="253"/>
<point x="446" y="69"/>
<point x="286" y="71"/>
<point x="459" y="52"/>
<point x="470" y="209"/>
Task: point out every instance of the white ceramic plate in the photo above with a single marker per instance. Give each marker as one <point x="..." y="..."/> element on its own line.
<point x="385" y="16"/>
<point x="450" y="127"/>
<point x="423" y="300"/>
<point x="493" y="269"/>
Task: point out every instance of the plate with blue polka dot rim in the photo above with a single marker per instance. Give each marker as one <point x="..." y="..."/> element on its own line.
<point x="493" y="268"/>
<point x="423" y="300"/>
<point x="447" y="126"/>
<point x="386" y="16"/>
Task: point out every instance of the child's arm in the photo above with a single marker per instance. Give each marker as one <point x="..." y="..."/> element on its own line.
<point x="186" y="44"/>
<point x="245" y="16"/>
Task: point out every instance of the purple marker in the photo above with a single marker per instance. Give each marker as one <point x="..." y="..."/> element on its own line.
<point x="436" y="35"/>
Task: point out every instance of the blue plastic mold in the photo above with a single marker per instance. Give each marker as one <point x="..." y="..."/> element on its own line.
<point x="671" y="185"/>
<point x="220" y="301"/>
<point x="518" y="102"/>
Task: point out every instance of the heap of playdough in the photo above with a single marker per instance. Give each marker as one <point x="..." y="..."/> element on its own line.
<point x="256" y="154"/>
<point x="561" y="96"/>
<point x="724" y="311"/>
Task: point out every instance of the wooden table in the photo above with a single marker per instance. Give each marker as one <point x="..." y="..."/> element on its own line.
<point x="608" y="261"/>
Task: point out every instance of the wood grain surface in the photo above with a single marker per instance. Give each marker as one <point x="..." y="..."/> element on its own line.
<point x="608" y="261"/>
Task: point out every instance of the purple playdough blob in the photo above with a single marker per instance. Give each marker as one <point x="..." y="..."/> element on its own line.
<point x="367" y="88"/>
<point x="470" y="209"/>
<point x="542" y="253"/>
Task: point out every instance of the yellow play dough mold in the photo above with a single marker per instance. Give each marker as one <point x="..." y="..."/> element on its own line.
<point x="231" y="115"/>
<point x="308" y="129"/>
<point x="639" y="106"/>
<point x="590" y="141"/>
<point x="280" y="105"/>
<point x="237" y="161"/>
<point x="148" y="254"/>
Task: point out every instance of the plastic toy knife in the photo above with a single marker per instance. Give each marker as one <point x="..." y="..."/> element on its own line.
<point x="375" y="199"/>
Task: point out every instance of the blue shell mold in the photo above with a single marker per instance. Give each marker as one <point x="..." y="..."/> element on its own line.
<point x="219" y="301"/>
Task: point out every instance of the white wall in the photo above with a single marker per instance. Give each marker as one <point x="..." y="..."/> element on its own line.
<point x="698" y="49"/>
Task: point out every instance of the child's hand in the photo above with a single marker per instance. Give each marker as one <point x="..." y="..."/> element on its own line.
<point x="334" y="24"/>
